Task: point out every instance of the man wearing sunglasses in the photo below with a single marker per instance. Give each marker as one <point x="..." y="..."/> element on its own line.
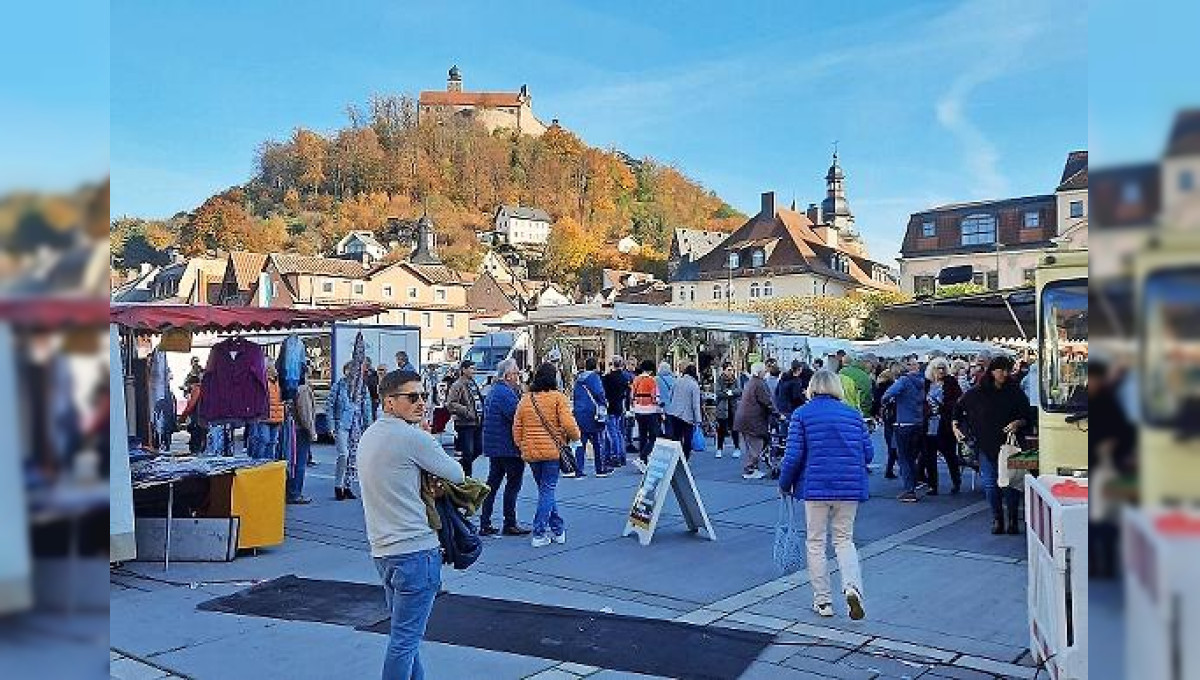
<point x="391" y="455"/>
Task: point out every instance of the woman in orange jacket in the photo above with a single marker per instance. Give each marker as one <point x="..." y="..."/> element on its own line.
<point x="264" y="441"/>
<point x="542" y="426"/>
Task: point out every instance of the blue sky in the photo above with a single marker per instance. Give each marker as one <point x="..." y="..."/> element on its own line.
<point x="931" y="102"/>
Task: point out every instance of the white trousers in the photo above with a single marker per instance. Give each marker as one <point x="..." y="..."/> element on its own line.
<point x="821" y="517"/>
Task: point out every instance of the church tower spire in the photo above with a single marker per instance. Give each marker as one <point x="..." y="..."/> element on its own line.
<point x="835" y="208"/>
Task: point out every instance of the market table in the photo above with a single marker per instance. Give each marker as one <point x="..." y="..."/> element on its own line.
<point x="247" y="488"/>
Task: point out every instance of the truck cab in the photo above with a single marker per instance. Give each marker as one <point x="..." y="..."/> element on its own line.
<point x="1062" y="313"/>
<point x="488" y="351"/>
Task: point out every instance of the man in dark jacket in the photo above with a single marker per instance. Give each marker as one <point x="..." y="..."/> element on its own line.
<point x="590" y="406"/>
<point x="989" y="413"/>
<point x="790" y="394"/>
<point x="465" y="403"/>
<point x="504" y="458"/>
<point x="753" y="419"/>
<point x="616" y="392"/>
<point x="908" y="396"/>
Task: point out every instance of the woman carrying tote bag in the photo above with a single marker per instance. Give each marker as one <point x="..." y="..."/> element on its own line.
<point x="825" y="465"/>
<point x="542" y="428"/>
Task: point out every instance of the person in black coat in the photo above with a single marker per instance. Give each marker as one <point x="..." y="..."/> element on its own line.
<point x="885" y="380"/>
<point x="942" y="393"/>
<point x="985" y="417"/>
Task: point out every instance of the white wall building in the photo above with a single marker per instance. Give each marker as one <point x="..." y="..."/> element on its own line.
<point x="520" y="226"/>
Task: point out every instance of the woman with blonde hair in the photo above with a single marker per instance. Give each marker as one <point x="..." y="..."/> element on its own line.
<point x="825" y="465"/>
<point x="942" y="393"/>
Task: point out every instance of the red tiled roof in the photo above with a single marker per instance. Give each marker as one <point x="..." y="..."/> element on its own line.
<point x="485" y="99"/>
<point x="288" y="263"/>
<point x="246" y="266"/>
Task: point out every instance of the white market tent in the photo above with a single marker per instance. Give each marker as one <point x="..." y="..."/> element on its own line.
<point x="924" y="345"/>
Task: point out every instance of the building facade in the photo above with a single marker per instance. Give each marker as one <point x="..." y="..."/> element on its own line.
<point x="522" y="227"/>
<point x="781" y="252"/>
<point x="1000" y="240"/>
<point x="361" y="245"/>
<point x="494" y="110"/>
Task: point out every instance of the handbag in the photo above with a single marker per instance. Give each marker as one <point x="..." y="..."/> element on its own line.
<point x="566" y="457"/>
<point x="601" y="409"/>
<point x="698" y="442"/>
<point x="789" y="549"/>
<point x="1007" y="478"/>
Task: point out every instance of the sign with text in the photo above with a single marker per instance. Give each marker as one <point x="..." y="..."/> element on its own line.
<point x="666" y="469"/>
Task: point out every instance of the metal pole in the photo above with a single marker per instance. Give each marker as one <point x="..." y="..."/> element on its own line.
<point x="170" y="517"/>
<point x="728" y="280"/>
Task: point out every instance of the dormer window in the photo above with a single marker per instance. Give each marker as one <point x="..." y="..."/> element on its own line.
<point x="758" y="258"/>
<point x="735" y="260"/>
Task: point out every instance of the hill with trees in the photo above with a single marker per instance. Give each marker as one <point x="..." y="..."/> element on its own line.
<point x="312" y="188"/>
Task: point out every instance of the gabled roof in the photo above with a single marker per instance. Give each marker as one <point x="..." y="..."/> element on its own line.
<point x="1185" y="134"/>
<point x="484" y="99"/>
<point x="366" y="237"/>
<point x="246" y="266"/>
<point x="696" y="243"/>
<point x="289" y="263"/>
<point x="432" y="274"/>
<point x="1111" y="190"/>
<point x="523" y="213"/>
<point x="1075" y="172"/>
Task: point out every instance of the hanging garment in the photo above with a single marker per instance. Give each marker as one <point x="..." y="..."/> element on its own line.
<point x="162" y="401"/>
<point x="290" y="366"/>
<point x="234" y="386"/>
<point x="357" y="388"/>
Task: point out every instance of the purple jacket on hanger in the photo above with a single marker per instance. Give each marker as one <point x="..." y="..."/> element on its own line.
<point x="234" y="387"/>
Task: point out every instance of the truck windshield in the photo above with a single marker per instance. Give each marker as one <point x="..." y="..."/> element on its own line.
<point x="1064" y="335"/>
<point x="487" y="358"/>
<point x="1171" y="364"/>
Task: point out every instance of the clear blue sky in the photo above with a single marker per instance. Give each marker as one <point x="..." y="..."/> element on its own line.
<point x="931" y="102"/>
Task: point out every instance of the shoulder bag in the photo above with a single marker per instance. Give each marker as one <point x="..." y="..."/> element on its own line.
<point x="566" y="457"/>
<point x="601" y="409"/>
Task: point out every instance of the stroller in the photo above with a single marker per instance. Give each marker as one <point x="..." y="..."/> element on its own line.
<point x="776" y="444"/>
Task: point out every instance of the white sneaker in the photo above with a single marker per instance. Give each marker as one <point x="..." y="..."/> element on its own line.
<point x="854" y="601"/>
<point x="757" y="474"/>
<point x="641" y="467"/>
<point x="539" y="541"/>
<point x="737" y="453"/>
<point x="825" y="610"/>
<point x="559" y="538"/>
<point x="719" y="454"/>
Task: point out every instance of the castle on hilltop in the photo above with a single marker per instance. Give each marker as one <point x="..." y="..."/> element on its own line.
<point x="494" y="110"/>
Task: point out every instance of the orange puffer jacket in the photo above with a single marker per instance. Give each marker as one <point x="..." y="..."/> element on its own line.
<point x="533" y="439"/>
<point x="274" y="403"/>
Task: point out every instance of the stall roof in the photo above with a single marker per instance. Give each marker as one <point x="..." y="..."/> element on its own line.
<point x="42" y="312"/>
<point x="151" y="318"/>
<point x="625" y="325"/>
<point x="986" y="315"/>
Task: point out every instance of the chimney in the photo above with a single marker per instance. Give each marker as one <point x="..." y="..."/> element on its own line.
<point x="814" y="213"/>
<point x="768" y="204"/>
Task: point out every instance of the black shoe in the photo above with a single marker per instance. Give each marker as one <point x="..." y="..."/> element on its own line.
<point x="299" y="500"/>
<point x="997" y="526"/>
<point x="312" y="462"/>
<point x="889" y="475"/>
<point x="348" y="494"/>
<point x="956" y="488"/>
<point x="488" y="530"/>
<point x="517" y="530"/>
<point x="339" y="494"/>
<point x="1014" y="525"/>
<point x="907" y="497"/>
<point x="932" y="492"/>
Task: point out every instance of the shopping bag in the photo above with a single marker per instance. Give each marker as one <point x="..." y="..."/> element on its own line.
<point x="788" y="552"/>
<point x="697" y="438"/>
<point x="1008" y="477"/>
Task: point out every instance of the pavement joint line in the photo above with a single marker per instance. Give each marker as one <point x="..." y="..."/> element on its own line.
<point x="137" y="659"/>
<point x="985" y="665"/>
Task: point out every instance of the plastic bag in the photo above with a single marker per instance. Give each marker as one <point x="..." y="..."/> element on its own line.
<point x="789" y="549"/>
<point x="1007" y="477"/>
<point x="697" y="438"/>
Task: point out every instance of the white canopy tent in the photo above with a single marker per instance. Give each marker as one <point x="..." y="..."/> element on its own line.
<point x="924" y="346"/>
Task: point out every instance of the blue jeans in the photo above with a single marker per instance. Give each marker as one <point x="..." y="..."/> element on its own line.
<point x="989" y="473"/>
<point x="410" y="582"/>
<point x="295" y="482"/>
<point x="908" y="447"/>
<point x="599" y="450"/>
<point x="545" y="473"/>
<point x="264" y="440"/>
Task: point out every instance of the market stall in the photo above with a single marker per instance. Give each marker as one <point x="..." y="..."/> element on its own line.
<point x="232" y="393"/>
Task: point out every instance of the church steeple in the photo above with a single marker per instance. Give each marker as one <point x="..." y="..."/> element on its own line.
<point x="426" y="250"/>
<point x="835" y="208"/>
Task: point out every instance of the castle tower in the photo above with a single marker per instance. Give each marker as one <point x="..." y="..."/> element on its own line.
<point x="835" y="208"/>
<point x="454" y="80"/>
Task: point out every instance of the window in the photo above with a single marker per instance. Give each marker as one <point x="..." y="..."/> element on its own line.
<point x="758" y="258"/>
<point x="449" y="321"/>
<point x="1063" y="369"/>
<point x="426" y="319"/>
<point x="993" y="280"/>
<point x="1186" y="180"/>
<point x="754" y="290"/>
<point x="412" y="293"/>
<point x="978" y="230"/>
<point x="327" y="287"/>
<point x="735" y="260"/>
<point x="717" y="292"/>
<point x="1032" y="219"/>
<point x="439" y="294"/>
<point x="924" y="285"/>
<point x="928" y="229"/>
<point x="692" y="294"/>
<point x="358" y="289"/>
<point x="1076" y="209"/>
<point x="387" y="291"/>
<point x="1131" y="193"/>
<point x="768" y="289"/>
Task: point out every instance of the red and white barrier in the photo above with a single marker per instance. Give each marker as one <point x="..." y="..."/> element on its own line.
<point x="1056" y="513"/>
<point x="1161" y="549"/>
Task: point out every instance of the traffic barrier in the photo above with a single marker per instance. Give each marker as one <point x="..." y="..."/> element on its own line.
<point x="1056" y="512"/>
<point x="1162" y="595"/>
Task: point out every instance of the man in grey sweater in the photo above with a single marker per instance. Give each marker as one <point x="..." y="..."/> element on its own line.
<point x="391" y="455"/>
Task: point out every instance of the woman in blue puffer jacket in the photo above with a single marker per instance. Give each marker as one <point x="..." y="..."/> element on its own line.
<point x="825" y="466"/>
